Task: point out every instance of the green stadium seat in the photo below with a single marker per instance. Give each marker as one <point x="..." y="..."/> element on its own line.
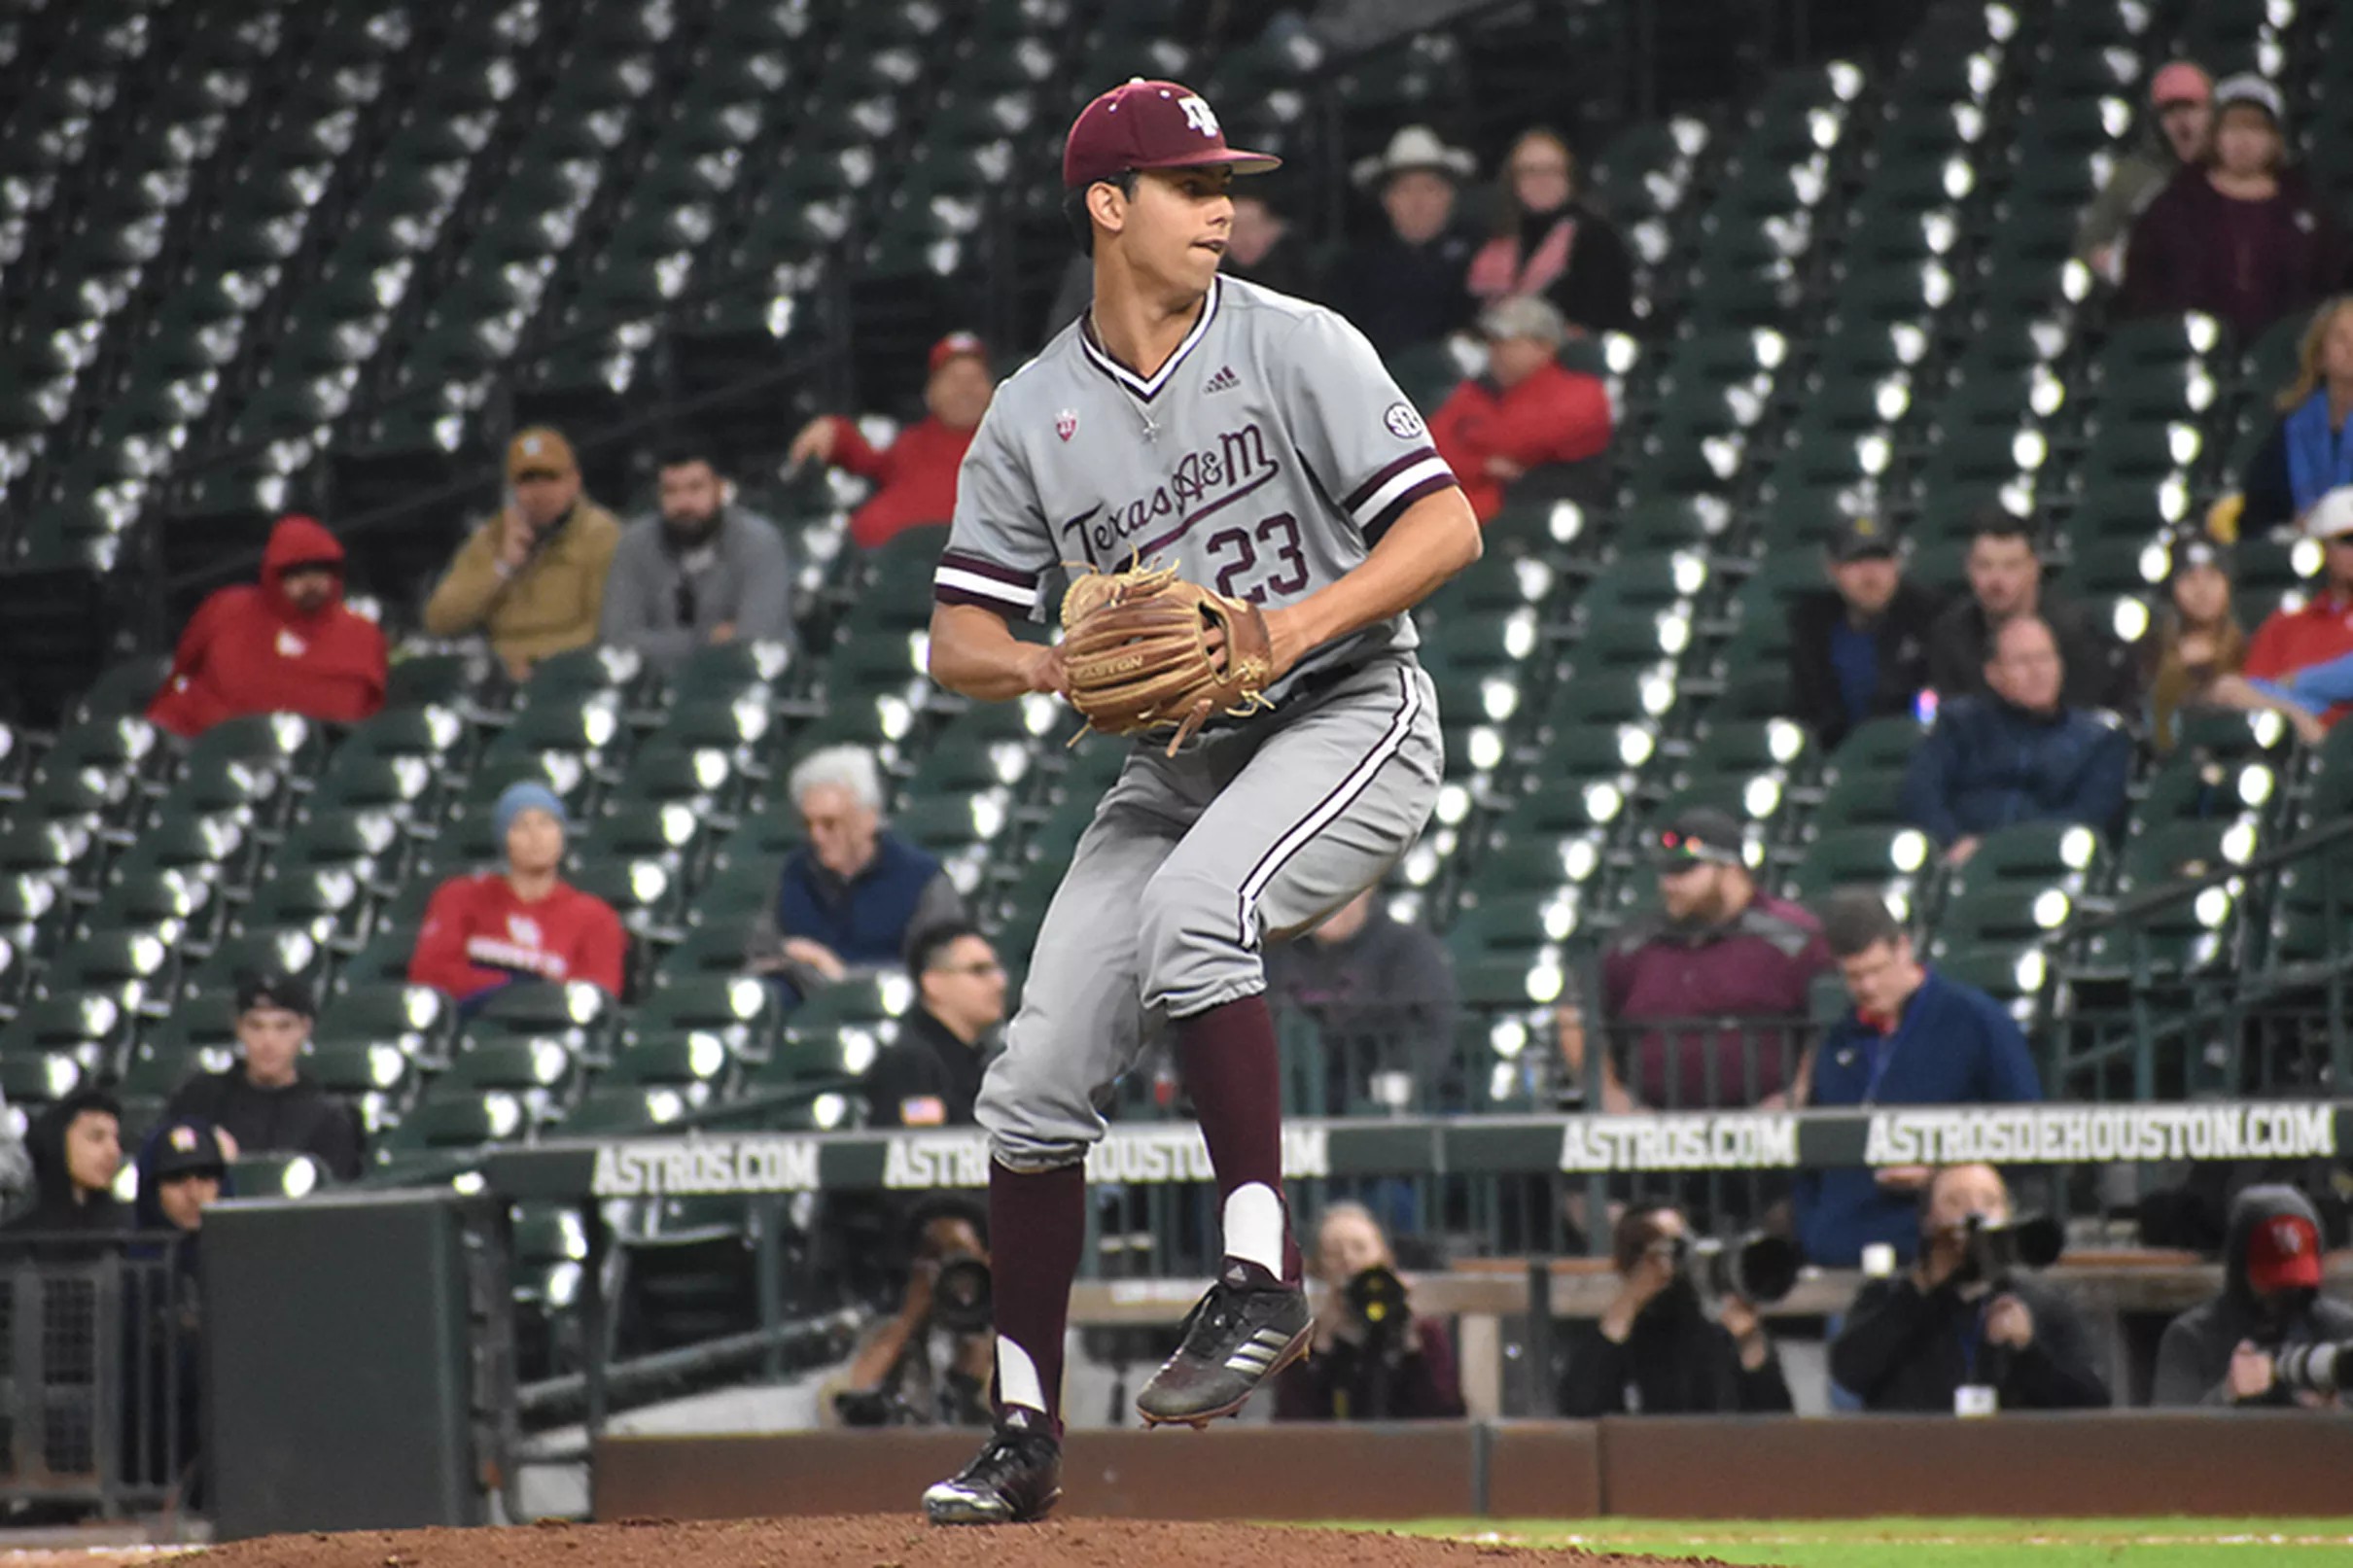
<point x="291" y="952"/>
<point x="620" y="1108"/>
<point x="1861" y="797"/>
<point x="2190" y="784"/>
<point x="2057" y="855"/>
<point x="32" y="1080"/>
<point x="134" y="966"/>
<point x="574" y="1012"/>
<point x="179" y="906"/>
<point x="455" y="1122"/>
<point x="416" y="1020"/>
<point x="93" y="1029"/>
<point x="1896" y="862"/>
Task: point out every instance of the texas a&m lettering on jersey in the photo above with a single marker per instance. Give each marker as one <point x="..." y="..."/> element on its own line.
<point x="1264" y="459"/>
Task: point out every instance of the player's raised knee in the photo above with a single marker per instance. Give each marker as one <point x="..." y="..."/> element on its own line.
<point x="1195" y="949"/>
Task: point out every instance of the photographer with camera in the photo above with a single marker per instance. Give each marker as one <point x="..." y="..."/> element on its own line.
<point x="1963" y="1329"/>
<point x="927" y="1364"/>
<point x="2268" y="1339"/>
<point x="1373" y="1360"/>
<point x="1655" y="1351"/>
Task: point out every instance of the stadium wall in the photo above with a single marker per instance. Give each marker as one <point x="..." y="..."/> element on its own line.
<point x="2121" y="1464"/>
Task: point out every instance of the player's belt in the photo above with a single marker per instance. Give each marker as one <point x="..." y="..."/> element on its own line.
<point x="1304" y="688"/>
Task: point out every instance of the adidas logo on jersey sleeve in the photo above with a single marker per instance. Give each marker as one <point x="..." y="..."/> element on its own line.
<point x="1225" y="380"/>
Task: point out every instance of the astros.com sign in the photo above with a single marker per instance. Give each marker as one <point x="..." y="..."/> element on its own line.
<point x="694" y="1167"/>
<point x="1746" y="1140"/>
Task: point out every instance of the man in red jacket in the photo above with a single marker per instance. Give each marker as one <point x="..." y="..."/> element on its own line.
<point x="1527" y="411"/>
<point x="495" y="929"/>
<point x="285" y="645"/>
<point x="915" y="475"/>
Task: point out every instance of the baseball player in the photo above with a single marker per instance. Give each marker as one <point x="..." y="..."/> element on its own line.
<point x="1255" y="444"/>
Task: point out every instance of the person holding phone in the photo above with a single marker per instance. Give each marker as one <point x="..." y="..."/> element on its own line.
<point x="532" y="577"/>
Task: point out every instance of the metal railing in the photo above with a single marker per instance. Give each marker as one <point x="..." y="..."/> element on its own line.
<point x="100" y="1389"/>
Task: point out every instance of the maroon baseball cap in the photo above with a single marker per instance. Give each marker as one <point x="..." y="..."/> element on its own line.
<point x="1146" y="124"/>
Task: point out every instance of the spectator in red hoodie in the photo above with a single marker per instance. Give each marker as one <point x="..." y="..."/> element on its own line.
<point x="496" y="927"/>
<point x="1529" y="411"/>
<point x="285" y="645"/>
<point x="915" y="475"/>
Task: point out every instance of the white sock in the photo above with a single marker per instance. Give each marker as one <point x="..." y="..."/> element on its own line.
<point x="1017" y="1381"/>
<point x="1253" y="1226"/>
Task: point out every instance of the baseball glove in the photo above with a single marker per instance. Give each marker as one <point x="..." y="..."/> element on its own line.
<point x="1136" y="650"/>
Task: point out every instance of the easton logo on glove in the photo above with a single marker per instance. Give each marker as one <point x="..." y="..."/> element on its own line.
<point x="1136" y="650"/>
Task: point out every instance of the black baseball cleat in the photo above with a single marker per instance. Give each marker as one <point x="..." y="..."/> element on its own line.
<point x="1235" y="1338"/>
<point x="1015" y="1479"/>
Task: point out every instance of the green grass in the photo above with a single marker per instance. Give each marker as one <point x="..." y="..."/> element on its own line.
<point x="1957" y="1543"/>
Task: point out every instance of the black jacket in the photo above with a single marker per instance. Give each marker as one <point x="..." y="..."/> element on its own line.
<point x="926" y="1077"/>
<point x="2101" y="672"/>
<point x="58" y="1210"/>
<point x="1676" y="1362"/>
<point x="1404" y="297"/>
<point x="300" y="1118"/>
<point x="1384" y="1001"/>
<point x="1903" y="1349"/>
<point x="2193" y="1358"/>
<point x="1901" y="633"/>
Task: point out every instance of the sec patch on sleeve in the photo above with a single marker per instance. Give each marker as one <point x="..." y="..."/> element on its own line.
<point x="1403" y="422"/>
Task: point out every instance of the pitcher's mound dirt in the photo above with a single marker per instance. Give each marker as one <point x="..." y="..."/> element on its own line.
<point x="876" y="1541"/>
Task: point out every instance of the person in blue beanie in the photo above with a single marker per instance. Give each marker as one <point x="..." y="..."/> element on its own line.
<point x="1913" y="1037"/>
<point x="522" y="922"/>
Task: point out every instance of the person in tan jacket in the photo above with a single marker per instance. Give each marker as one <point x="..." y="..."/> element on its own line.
<point x="532" y="577"/>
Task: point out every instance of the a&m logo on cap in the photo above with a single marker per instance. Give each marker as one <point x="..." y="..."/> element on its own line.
<point x="1198" y="115"/>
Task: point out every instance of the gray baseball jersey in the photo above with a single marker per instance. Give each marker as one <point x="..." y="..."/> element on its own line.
<point x="1264" y="460"/>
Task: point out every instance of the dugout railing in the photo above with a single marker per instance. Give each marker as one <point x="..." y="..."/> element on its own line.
<point x="100" y="1345"/>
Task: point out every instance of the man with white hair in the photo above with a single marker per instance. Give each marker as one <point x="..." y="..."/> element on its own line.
<point x="848" y="899"/>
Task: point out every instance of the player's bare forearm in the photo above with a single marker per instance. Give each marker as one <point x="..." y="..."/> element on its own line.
<point x="1437" y="537"/>
<point x="975" y="655"/>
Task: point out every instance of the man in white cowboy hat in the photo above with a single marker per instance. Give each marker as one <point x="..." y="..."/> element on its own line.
<point x="1405" y="290"/>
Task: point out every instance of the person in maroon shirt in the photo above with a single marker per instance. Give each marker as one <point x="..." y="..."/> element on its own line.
<point x="2241" y="237"/>
<point x="915" y="475"/>
<point x="1716" y="951"/>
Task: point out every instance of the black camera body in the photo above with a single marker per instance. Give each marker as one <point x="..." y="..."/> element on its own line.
<point x="1992" y="1250"/>
<point x="1376" y="1299"/>
<point x="963" y="1295"/>
<point x="1759" y="1268"/>
<point x="2322" y="1368"/>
